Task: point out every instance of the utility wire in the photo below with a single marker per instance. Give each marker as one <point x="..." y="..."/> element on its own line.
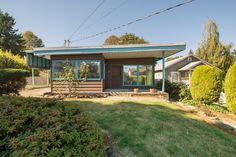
<point x="85" y="20"/>
<point x="134" y="21"/>
<point x="107" y="14"/>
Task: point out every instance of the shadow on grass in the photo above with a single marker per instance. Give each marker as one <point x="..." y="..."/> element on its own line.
<point x="150" y="128"/>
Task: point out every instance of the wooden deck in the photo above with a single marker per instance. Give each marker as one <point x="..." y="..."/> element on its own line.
<point x="112" y="92"/>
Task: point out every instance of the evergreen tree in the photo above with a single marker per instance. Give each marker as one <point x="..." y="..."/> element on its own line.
<point x="212" y="50"/>
<point x="10" y="40"/>
<point x="190" y="52"/>
<point x="234" y="55"/>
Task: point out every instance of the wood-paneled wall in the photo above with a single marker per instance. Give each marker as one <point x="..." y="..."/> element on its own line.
<point x="62" y="87"/>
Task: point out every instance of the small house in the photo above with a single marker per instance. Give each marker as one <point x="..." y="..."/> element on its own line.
<point x="110" y="66"/>
<point x="180" y="69"/>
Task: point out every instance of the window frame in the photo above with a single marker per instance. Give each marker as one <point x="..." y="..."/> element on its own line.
<point x="76" y="68"/>
<point x="137" y="75"/>
<point x="171" y="76"/>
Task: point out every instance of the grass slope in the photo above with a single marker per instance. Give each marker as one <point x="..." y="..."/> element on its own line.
<point x="151" y="128"/>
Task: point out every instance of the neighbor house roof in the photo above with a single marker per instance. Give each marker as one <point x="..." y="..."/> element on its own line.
<point x="190" y="66"/>
<point x="115" y="51"/>
<point x="168" y="64"/>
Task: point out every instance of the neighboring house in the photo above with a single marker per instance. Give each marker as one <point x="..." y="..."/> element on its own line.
<point x="110" y="66"/>
<point x="180" y="69"/>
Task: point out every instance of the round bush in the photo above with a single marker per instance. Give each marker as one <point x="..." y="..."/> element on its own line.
<point x="12" y="80"/>
<point x="44" y="127"/>
<point x="230" y="88"/>
<point x="206" y="84"/>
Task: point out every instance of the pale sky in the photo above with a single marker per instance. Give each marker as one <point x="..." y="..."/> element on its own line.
<point x="55" y="20"/>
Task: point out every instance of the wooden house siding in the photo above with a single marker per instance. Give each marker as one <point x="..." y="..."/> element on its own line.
<point x="62" y="87"/>
<point x="177" y="66"/>
<point x="120" y="62"/>
<point x="106" y="81"/>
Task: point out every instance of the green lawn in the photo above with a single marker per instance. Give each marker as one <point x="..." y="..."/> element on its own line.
<point x="151" y="128"/>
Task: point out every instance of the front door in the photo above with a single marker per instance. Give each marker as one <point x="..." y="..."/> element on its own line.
<point x="116" y="76"/>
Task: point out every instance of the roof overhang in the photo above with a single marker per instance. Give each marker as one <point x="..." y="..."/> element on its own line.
<point x="116" y="51"/>
<point x="190" y="66"/>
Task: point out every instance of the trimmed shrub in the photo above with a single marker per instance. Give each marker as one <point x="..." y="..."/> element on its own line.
<point x="230" y="88"/>
<point x="206" y="84"/>
<point x="12" y="80"/>
<point x="171" y="87"/>
<point x="46" y="127"/>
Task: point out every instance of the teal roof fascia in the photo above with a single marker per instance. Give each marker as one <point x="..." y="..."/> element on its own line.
<point x="110" y="49"/>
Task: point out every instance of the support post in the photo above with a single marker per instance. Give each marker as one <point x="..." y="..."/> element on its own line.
<point x="163" y="71"/>
<point x="47" y="78"/>
<point x="104" y="70"/>
<point x="33" y="77"/>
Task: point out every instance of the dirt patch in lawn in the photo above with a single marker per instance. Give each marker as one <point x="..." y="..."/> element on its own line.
<point x="224" y="121"/>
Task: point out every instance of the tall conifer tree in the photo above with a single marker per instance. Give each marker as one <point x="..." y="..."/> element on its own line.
<point x="212" y="50"/>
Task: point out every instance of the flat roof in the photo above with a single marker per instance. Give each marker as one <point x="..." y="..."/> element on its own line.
<point x="115" y="51"/>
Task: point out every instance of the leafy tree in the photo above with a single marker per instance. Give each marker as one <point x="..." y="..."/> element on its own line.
<point x="31" y="40"/>
<point x="10" y="40"/>
<point x="127" y="38"/>
<point x="130" y="38"/>
<point x="212" y="50"/>
<point x="112" y="40"/>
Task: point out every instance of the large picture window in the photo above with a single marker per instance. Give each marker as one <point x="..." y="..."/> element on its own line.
<point x="137" y="75"/>
<point x="130" y="75"/>
<point x="59" y="69"/>
<point x="94" y="69"/>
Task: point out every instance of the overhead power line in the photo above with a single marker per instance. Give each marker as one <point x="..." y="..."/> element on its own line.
<point x="134" y="21"/>
<point x="85" y="20"/>
<point x="107" y="14"/>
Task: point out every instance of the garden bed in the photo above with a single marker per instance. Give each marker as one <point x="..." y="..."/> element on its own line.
<point x="213" y="114"/>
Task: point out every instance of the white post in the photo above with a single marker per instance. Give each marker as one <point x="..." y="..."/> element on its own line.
<point x="33" y="77"/>
<point x="163" y="71"/>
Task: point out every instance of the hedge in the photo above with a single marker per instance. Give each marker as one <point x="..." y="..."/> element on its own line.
<point x="8" y="60"/>
<point x="12" y="80"/>
<point x="206" y="84"/>
<point x="230" y="88"/>
<point x="44" y="127"/>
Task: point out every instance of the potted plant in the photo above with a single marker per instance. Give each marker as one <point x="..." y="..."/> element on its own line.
<point x="152" y="90"/>
<point x="136" y="90"/>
